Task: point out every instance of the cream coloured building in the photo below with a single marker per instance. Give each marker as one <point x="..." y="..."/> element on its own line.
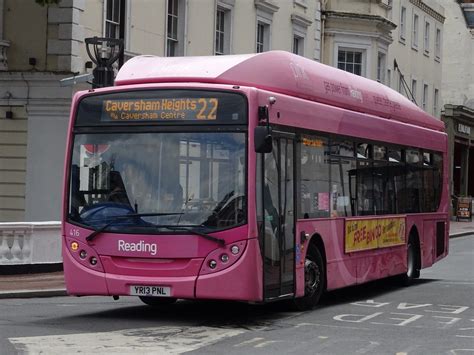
<point x="367" y="37"/>
<point x="458" y="93"/>
<point x="361" y="36"/>
<point x="39" y="45"/>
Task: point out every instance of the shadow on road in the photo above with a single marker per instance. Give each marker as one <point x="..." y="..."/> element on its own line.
<point x="224" y="314"/>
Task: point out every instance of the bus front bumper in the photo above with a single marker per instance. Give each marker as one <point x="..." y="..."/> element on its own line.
<point x="241" y="281"/>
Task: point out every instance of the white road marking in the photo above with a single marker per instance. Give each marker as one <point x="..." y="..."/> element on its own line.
<point x="268" y="342"/>
<point x="161" y="340"/>
<point x="247" y="342"/>
<point x="328" y="325"/>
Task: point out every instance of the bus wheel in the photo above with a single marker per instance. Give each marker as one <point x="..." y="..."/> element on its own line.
<point x="413" y="263"/>
<point x="315" y="280"/>
<point x="157" y="301"/>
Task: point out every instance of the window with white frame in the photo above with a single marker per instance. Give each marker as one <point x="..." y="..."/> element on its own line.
<point x="350" y="60"/>
<point x="298" y="45"/>
<point x="300" y="25"/>
<point x="413" y="89"/>
<point x="403" y="23"/>
<point x="389" y="78"/>
<point x="414" y="37"/>
<point x="424" y="102"/>
<point x="427" y="37"/>
<point x="112" y="18"/>
<point x="263" y="37"/>
<point x="435" y="102"/>
<point x="438" y="43"/>
<point x="265" y="11"/>
<point x="381" y="64"/>
<point x="222" y="34"/>
<point x="172" y="33"/>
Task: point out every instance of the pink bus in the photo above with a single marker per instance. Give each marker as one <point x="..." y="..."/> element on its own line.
<point x="253" y="178"/>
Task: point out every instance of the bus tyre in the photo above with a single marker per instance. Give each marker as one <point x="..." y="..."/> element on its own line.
<point x="413" y="263"/>
<point x="157" y="301"/>
<point x="315" y="280"/>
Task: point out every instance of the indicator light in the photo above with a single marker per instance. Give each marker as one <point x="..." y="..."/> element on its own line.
<point x="83" y="254"/>
<point x="212" y="264"/>
<point x="74" y="246"/>
<point x="93" y="260"/>
<point x="224" y="258"/>
<point x="235" y="249"/>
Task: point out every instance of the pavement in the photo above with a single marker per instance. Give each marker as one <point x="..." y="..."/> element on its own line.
<point x="51" y="284"/>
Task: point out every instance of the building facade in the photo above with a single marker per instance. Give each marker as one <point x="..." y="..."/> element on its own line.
<point x="415" y="60"/>
<point x="458" y="93"/>
<point x="42" y="42"/>
<point x="364" y="37"/>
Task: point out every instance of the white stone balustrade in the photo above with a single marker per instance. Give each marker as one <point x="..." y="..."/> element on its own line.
<point x="30" y="243"/>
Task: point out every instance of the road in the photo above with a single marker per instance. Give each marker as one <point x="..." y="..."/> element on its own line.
<point x="434" y="316"/>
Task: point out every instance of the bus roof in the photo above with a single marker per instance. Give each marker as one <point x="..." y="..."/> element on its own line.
<point x="281" y="72"/>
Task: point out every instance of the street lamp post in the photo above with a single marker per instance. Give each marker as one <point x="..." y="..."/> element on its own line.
<point x="106" y="51"/>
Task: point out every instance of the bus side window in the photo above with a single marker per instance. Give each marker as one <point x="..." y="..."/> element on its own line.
<point x="314" y="177"/>
<point x="437" y="179"/>
<point x="343" y="189"/>
<point x="414" y="181"/>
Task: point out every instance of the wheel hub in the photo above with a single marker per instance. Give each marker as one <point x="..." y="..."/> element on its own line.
<point x="312" y="277"/>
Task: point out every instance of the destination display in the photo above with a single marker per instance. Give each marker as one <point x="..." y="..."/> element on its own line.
<point x="167" y="107"/>
<point x="187" y="109"/>
<point x="368" y="234"/>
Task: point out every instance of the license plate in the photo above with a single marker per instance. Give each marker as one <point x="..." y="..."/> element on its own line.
<point x="153" y="291"/>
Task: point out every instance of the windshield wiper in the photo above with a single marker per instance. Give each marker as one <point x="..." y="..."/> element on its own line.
<point x="94" y="234"/>
<point x="195" y="232"/>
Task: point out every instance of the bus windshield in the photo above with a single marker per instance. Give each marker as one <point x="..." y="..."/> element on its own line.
<point x="174" y="179"/>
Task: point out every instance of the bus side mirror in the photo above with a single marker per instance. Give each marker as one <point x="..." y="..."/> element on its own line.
<point x="263" y="139"/>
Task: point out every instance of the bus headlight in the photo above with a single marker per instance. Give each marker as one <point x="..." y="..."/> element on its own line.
<point x="222" y="258"/>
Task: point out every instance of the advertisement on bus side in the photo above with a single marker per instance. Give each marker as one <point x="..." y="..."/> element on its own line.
<point x="368" y="234"/>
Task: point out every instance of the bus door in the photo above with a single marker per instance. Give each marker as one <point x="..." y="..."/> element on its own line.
<point x="277" y="232"/>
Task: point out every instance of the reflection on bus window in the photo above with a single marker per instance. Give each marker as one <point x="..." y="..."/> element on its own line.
<point x="379" y="181"/>
<point x="199" y="178"/>
<point x="315" y="196"/>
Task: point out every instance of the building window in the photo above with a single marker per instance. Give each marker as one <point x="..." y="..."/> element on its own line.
<point x="112" y="19"/>
<point x="260" y="37"/>
<point x="350" y="61"/>
<point x="403" y="22"/>
<point x="413" y="90"/>
<point x="220" y="31"/>
<point x="425" y="96"/>
<point x="389" y="78"/>
<point x="300" y="24"/>
<point x="401" y="88"/>
<point x="175" y="28"/>
<point x="381" y="60"/>
<point x="438" y="43"/>
<point x="414" y="39"/>
<point x="223" y="18"/>
<point x="263" y="37"/>
<point x="298" y="45"/>
<point x="435" y="102"/>
<point x="427" y="37"/>
<point x="172" y="35"/>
